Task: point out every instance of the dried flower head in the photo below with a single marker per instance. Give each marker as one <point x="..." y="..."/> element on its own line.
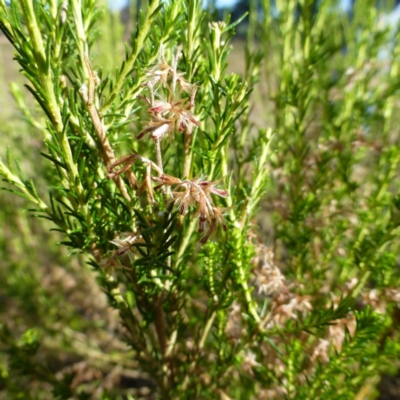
<point x="197" y="192"/>
<point x="123" y="256"/>
<point x="167" y="75"/>
<point x="233" y="329"/>
<point x="174" y="113"/>
<point x="249" y="362"/>
<point x="160" y="72"/>
<point x="167" y="118"/>
<point x="290" y="310"/>
<point x="321" y="352"/>
<point x="268" y="279"/>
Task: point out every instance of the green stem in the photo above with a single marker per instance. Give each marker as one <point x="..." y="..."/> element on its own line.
<point x="138" y="46"/>
<point x="45" y="76"/>
<point x="76" y="6"/>
<point x="185" y="241"/>
<point x="10" y="177"/>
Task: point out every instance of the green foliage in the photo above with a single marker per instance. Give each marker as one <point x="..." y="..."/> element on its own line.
<point x="229" y="235"/>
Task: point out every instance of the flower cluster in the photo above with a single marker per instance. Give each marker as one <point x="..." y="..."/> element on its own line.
<point x="167" y="117"/>
<point x="197" y="192"/>
<point x="173" y="113"/>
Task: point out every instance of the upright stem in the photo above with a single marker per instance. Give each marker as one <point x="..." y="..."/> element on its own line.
<point x="138" y="46"/>
<point x="76" y="6"/>
<point x="106" y="150"/>
<point x="159" y="155"/>
<point x="46" y="80"/>
<point x="187" y="154"/>
<point x="159" y="323"/>
<point x="185" y="241"/>
<point x="157" y="143"/>
<point x="200" y="346"/>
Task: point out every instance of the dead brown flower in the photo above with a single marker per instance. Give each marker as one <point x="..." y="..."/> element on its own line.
<point x="197" y="192"/>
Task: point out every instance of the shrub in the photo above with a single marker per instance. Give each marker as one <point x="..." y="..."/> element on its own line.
<point x="243" y="227"/>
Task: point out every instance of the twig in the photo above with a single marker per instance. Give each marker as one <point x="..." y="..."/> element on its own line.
<point x="107" y="153"/>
